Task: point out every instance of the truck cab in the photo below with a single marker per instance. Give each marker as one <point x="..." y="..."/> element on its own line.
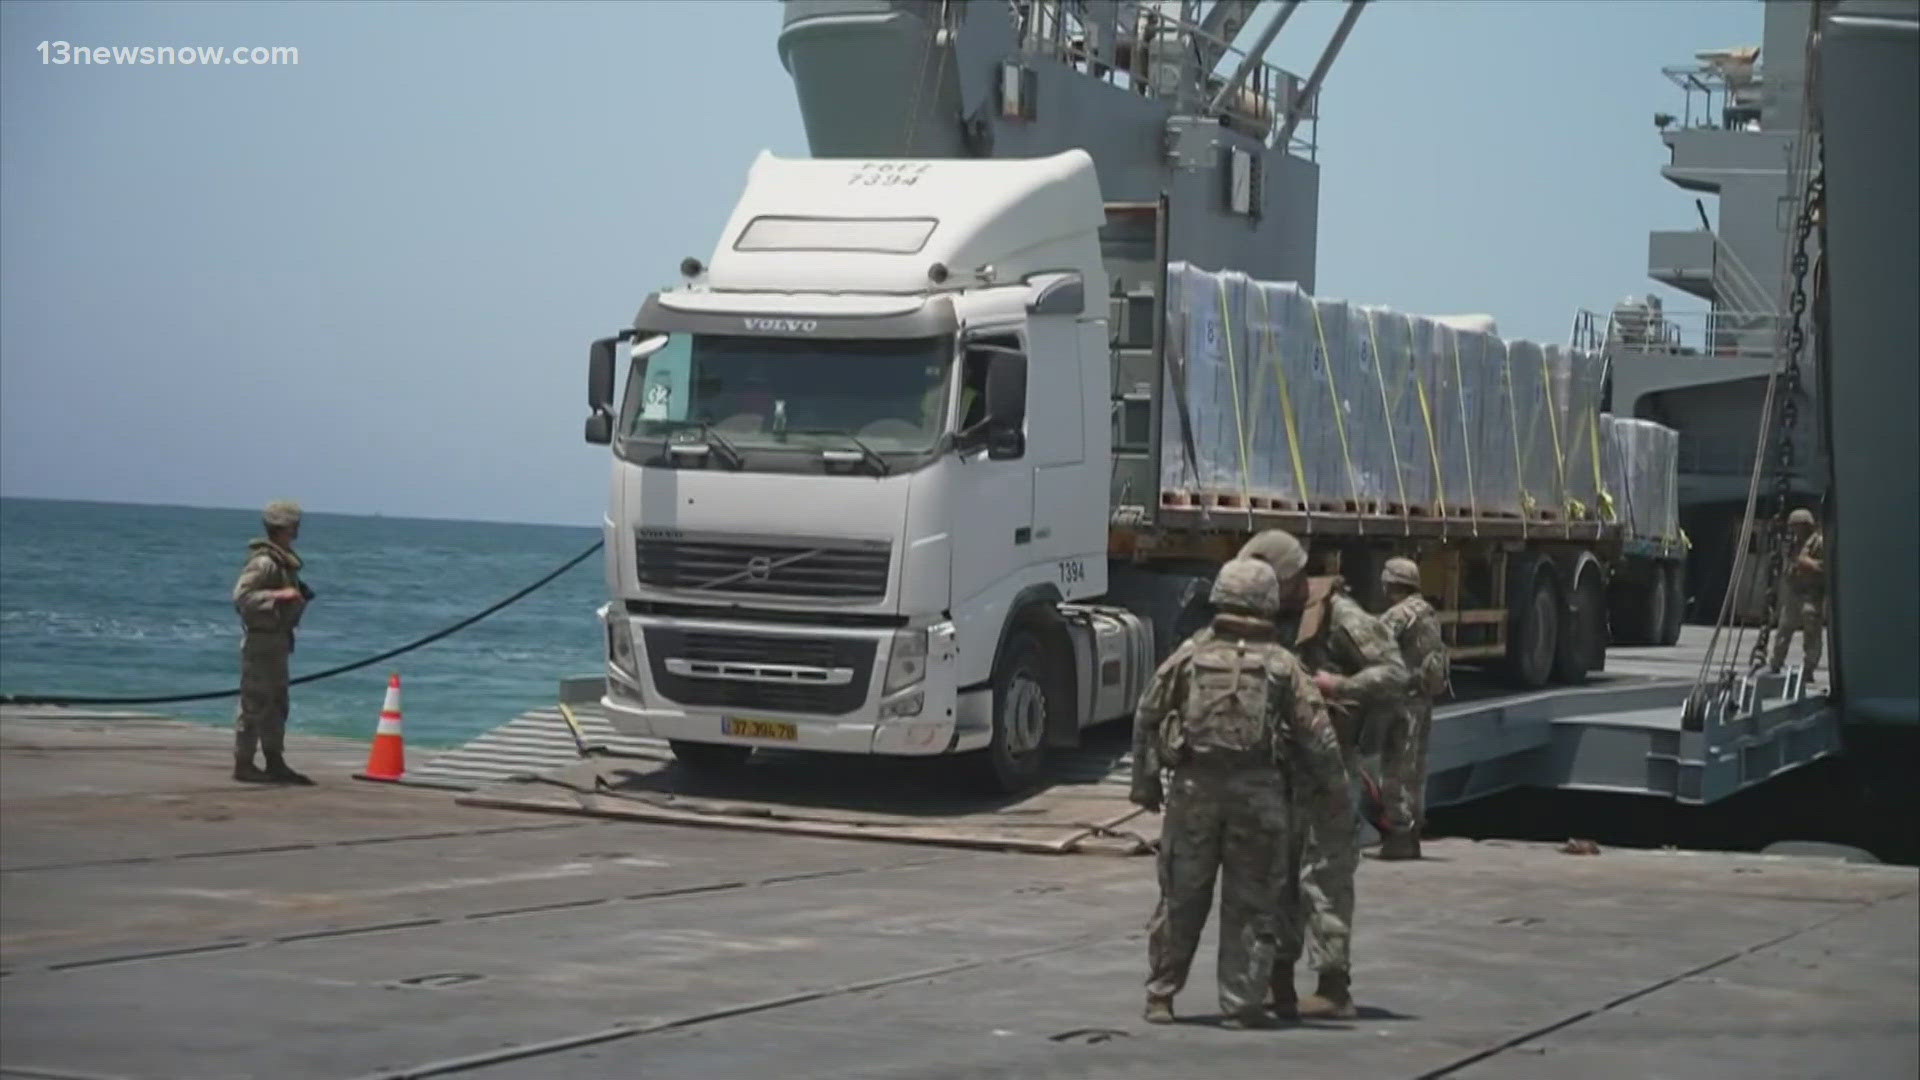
<point x="860" y="472"/>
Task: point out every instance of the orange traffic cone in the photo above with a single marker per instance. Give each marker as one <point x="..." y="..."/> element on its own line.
<point x="388" y="761"/>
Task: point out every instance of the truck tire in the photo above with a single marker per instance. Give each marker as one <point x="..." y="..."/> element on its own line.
<point x="1025" y="693"/>
<point x="1583" y="632"/>
<point x="1676" y="603"/>
<point x="1533" y="628"/>
<point x="709" y="757"/>
<point x="1650" y="627"/>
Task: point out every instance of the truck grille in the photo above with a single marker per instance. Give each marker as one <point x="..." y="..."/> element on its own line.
<point x="709" y="649"/>
<point x="824" y="569"/>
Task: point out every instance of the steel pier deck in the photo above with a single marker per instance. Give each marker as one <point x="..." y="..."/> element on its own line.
<point x="158" y="922"/>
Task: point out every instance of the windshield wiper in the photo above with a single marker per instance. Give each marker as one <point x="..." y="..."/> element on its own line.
<point x="710" y="439"/>
<point x="868" y="454"/>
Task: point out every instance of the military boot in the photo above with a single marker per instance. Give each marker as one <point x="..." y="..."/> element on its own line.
<point x="280" y="773"/>
<point x="1331" y="1000"/>
<point x="1400" y="845"/>
<point x="1248" y="1020"/>
<point x="245" y="771"/>
<point x="1159" y="1009"/>
<point x="1282" y="1000"/>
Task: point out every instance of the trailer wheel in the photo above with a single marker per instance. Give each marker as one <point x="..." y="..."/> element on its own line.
<point x="709" y="757"/>
<point x="1582" y="643"/>
<point x="1676" y="603"/>
<point x="1024" y="695"/>
<point x="1650" y="628"/>
<point x="1533" y="631"/>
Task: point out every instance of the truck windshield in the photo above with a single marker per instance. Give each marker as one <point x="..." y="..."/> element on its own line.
<point x="784" y="393"/>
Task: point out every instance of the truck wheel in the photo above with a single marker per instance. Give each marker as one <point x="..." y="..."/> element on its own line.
<point x="1024" y="695"/>
<point x="1651" y="628"/>
<point x="1533" y="633"/>
<point x="1583" y="633"/>
<point x="1676" y="603"/>
<point x="709" y="757"/>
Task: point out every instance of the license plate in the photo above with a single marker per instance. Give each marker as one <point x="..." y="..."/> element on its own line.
<point x="758" y="729"/>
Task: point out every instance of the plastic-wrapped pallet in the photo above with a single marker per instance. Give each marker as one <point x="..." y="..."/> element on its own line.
<point x="1399" y="450"/>
<point x="1279" y="320"/>
<point x="1587" y="492"/>
<point x="1366" y="433"/>
<point x="1537" y="460"/>
<point x="1558" y="375"/>
<point x="1338" y="478"/>
<point x="1484" y="398"/>
<point x="1195" y="330"/>
<point x="1639" y="459"/>
<point x="1479" y="323"/>
<point x="1435" y="345"/>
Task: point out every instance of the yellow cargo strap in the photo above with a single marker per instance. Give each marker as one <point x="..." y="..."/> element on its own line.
<point x="1233" y="373"/>
<point x="1426" y="418"/>
<point x="1393" y="443"/>
<point x="1339" y="419"/>
<point x="1466" y="430"/>
<point x="1286" y="404"/>
<point x="1519" y="469"/>
<point x="1607" y="511"/>
<point x="1553" y="418"/>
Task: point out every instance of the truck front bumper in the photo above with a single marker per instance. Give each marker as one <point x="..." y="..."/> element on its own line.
<point x="795" y="687"/>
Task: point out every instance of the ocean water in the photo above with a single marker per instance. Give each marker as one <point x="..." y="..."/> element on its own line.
<point x="106" y="600"/>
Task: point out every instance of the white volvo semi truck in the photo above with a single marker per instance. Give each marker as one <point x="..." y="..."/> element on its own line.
<point x="885" y="481"/>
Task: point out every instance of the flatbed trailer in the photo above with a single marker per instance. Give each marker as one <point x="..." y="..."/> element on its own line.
<point x="1541" y="595"/>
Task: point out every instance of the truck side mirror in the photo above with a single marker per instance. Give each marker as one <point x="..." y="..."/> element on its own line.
<point x="600" y="428"/>
<point x="600" y="391"/>
<point x="600" y="375"/>
<point x="1006" y="406"/>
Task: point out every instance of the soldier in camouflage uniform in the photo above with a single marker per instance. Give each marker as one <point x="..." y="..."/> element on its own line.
<point x="1235" y="718"/>
<point x="1403" y="756"/>
<point x="1357" y="669"/>
<point x="270" y="600"/>
<point x="1803" y="593"/>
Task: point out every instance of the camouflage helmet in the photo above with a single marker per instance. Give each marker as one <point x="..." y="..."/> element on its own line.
<point x="1247" y="585"/>
<point x="1801" y="516"/>
<point x="1404" y="573"/>
<point x="281" y="514"/>
<point x="1279" y="550"/>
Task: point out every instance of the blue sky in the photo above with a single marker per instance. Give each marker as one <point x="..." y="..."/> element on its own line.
<point x="368" y="281"/>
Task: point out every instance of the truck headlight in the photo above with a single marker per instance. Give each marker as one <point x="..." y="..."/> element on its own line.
<point x="907" y="660"/>
<point x="620" y="645"/>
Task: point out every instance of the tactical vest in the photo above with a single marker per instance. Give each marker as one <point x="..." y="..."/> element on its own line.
<point x="1808" y="584"/>
<point x="1226" y="718"/>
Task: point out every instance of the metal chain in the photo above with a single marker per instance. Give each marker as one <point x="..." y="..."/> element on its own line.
<point x="1789" y="413"/>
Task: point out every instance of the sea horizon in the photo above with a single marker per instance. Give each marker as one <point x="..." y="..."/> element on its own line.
<point x="306" y="509"/>
<point x="114" y="599"/>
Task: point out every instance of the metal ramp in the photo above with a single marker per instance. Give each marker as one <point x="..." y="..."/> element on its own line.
<point x="1638" y="739"/>
<point x="1633" y="735"/>
<point x="538" y="742"/>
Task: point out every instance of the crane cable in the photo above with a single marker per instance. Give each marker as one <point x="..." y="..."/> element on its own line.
<point x="54" y="699"/>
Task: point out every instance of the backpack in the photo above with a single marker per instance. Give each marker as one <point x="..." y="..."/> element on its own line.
<point x="1230" y="693"/>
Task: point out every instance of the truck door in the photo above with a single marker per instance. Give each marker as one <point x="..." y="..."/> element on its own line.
<point x="993" y="509"/>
